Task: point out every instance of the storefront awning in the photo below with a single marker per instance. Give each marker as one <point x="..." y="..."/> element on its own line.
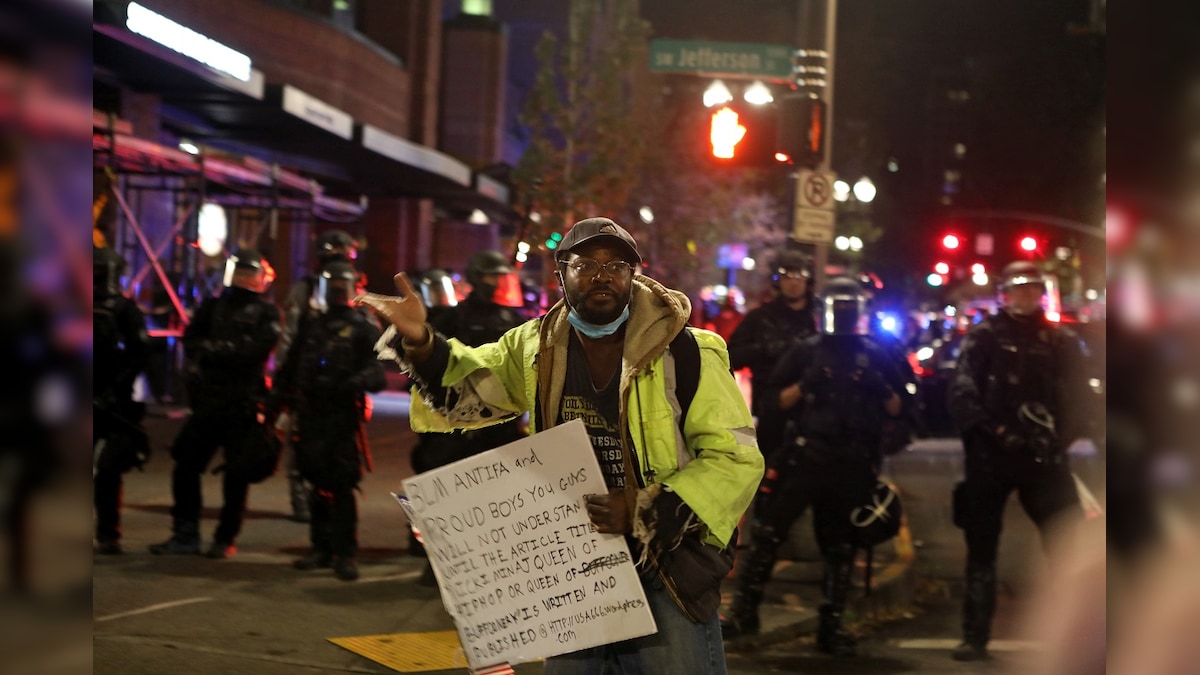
<point x="281" y="124"/>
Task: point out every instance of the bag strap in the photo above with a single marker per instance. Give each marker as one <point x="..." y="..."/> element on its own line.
<point x="687" y="370"/>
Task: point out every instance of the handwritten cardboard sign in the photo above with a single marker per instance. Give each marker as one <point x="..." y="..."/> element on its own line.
<point x="522" y="570"/>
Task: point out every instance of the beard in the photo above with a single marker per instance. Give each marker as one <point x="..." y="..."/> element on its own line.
<point x="598" y="309"/>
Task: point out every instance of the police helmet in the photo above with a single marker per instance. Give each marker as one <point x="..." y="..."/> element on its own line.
<point x="484" y="263"/>
<point x="1021" y="273"/>
<point x="247" y="269"/>
<point x="336" y="285"/>
<point x="437" y="289"/>
<point x="792" y="261"/>
<point x="845" y="307"/>
<point x="335" y="244"/>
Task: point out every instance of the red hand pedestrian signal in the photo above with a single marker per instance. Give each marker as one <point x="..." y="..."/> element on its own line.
<point x="726" y="133"/>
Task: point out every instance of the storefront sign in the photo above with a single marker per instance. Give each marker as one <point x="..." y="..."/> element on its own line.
<point x="317" y="112"/>
<point x="188" y="42"/>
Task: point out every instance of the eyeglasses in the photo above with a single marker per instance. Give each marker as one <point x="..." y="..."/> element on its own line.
<point x="586" y="267"/>
<point x="794" y="275"/>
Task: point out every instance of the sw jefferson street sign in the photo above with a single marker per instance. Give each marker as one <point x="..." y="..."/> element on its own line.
<point x="726" y="59"/>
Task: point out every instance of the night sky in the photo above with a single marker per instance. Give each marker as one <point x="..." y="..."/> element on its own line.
<point x="1037" y="92"/>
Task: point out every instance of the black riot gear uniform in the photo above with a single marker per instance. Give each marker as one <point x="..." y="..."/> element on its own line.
<point x="120" y="349"/>
<point x="303" y="302"/>
<point x="324" y="384"/>
<point x="227" y="344"/>
<point x="763" y="337"/>
<point x="1015" y="397"/>
<point x="831" y="462"/>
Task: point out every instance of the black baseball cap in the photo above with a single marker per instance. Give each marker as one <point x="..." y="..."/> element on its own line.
<point x="594" y="228"/>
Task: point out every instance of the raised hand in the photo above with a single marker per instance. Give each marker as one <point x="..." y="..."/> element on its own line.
<point x="406" y="311"/>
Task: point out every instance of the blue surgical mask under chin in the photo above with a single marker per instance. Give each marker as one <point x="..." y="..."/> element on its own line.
<point x="592" y="330"/>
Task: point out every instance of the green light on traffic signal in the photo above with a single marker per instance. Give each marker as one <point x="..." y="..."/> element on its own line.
<point x="556" y="236"/>
<point x="551" y="244"/>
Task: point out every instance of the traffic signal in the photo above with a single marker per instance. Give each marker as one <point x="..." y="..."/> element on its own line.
<point x="942" y="268"/>
<point x="951" y="242"/>
<point x="553" y="239"/>
<point x="1029" y="243"/>
<point x="741" y="134"/>
<point x="725" y="133"/>
<point x="802" y="129"/>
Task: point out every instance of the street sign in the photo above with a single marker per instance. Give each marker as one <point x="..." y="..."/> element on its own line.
<point x="814" y="218"/>
<point x="814" y="189"/>
<point x="813" y="225"/>
<point x="724" y="59"/>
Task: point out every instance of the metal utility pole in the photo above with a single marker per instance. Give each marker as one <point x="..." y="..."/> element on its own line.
<point x="816" y="37"/>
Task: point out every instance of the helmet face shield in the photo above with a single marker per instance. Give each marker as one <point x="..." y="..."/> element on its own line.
<point x="247" y="270"/>
<point x="845" y="309"/>
<point x="336" y="286"/>
<point x="508" y="291"/>
<point x="437" y="289"/>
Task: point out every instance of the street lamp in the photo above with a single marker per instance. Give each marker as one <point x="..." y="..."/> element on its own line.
<point x="758" y="94"/>
<point x="856" y="244"/>
<point x="716" y="94"/>
<point x="841" y="190"/>
<point x="864" y="190"/>
<point x="841" y="243"/>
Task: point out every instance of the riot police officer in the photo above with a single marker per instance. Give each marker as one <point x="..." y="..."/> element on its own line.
<point x="227" y="344"/>
<point x="837" y="388"/>
<point x="767" y="332"/>
<point x="1015" y="398"/>
<point x="121" y="347"/>
<point x="323" y="384"/>
<point x="477" y="320"/>
<point x="331" y="245"/>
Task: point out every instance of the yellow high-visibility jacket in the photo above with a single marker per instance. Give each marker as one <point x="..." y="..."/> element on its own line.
<point x="715" y="466"/>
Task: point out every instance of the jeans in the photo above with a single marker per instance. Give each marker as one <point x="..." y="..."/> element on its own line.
<point x="679" y="646"/>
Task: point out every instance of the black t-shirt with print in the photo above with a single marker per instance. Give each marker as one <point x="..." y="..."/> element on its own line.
<point x="600" y="410"/>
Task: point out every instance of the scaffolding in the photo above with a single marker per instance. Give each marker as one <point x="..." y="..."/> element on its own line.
<point x="160" y="192"/>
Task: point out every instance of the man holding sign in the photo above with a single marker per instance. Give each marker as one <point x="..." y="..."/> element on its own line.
<point x="680" y="466"/>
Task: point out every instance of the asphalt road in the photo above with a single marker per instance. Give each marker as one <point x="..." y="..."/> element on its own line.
<point x="254" y="613"/>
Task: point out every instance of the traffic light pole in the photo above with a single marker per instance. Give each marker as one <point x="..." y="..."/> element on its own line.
<point x="816" y="29"/>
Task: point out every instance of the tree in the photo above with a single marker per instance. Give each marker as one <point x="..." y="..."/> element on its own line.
<point x="587" y="114"/>
<point x="606" y="140"/>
